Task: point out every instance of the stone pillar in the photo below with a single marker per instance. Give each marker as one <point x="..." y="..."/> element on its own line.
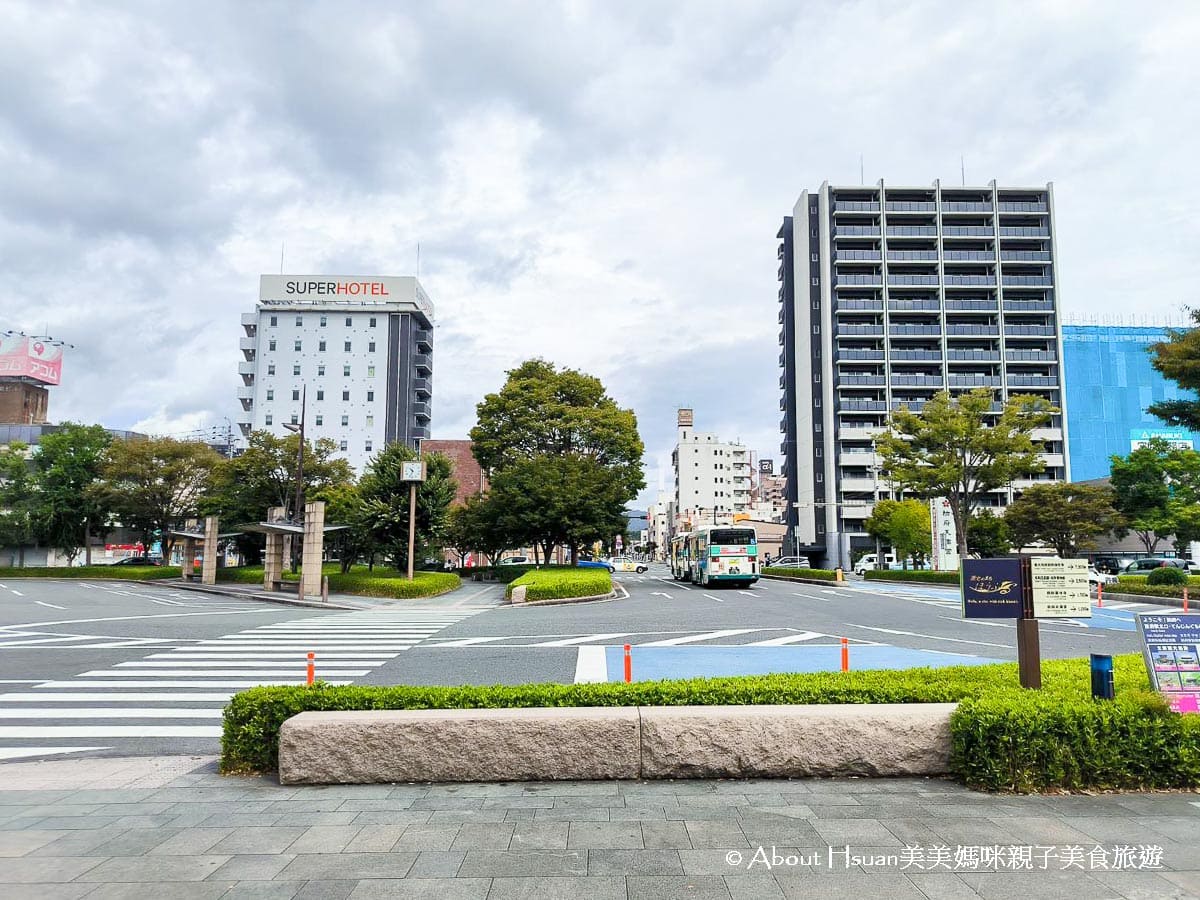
<point x="273" y="557"/>
<point x="312" y="549"/>
<point x="208" y="568"/>
<point x="189" y="559"/>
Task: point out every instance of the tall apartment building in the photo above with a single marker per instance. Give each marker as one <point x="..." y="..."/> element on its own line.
<point x="1110" y="384"/>
<point x="357" y="351"/>
<point x="712" y="477"/>
<point x="888" y="294"/>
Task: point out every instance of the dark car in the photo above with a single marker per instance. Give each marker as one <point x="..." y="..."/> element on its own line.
<point x="139" y="561"/>
<point x="1151" y="563"/>
<point x="1112" y="565"/>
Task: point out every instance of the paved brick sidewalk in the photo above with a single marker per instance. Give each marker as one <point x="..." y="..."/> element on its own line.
<point x="172" y="828"/>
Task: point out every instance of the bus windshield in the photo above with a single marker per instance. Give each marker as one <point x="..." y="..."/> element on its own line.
<point x="728" y="536"/>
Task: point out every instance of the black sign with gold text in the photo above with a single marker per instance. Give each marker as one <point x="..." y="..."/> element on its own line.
<point x="991" y="588"/>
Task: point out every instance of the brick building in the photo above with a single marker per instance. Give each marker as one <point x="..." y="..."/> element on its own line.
<point x="467" y="471"/>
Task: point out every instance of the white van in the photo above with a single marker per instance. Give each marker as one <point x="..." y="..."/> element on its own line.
<point x="867" y="561"/>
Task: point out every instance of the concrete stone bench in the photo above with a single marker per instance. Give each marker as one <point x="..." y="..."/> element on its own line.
<point x="545" y="744"/>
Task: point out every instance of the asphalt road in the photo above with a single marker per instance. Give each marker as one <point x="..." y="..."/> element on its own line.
<point x="113" y="669"/>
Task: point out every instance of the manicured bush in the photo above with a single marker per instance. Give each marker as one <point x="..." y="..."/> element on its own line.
<point x="124" y="573"/>
<point x="1167" y="576"/>
<point x="562" y="583"/>
<point x="787" y="572"/>
<point x="380" y="582"/>
<point x="922" y="575"/>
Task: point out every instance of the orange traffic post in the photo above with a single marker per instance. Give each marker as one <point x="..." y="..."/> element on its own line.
<point x="628" y="664"/>
<point x="311" y="668"/>
<point x="845" y="654"/>
<point x="1185" y="598"/>
<point x="1100" y="594"/>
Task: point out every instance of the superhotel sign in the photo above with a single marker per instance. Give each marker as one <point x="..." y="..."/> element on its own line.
<point x="333" y="288"/>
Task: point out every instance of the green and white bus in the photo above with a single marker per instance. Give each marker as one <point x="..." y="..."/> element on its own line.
<point x="681" y="569"/>
<point x="723" y="555"/>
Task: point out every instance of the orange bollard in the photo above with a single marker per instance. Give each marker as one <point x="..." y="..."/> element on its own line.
<point x="628" y="665"/>
<point x="311" y="668"/>
<point x="1185" y="598"/>
<point x="845" y="655"/>
<point x="1100" y="595"/>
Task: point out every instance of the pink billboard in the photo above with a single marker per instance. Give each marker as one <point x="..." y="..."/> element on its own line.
<point x="30" y="357"/>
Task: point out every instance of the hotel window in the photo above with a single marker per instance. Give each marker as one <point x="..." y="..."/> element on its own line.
<point x="371" y="347"/>
<point x="321" y="347"/>
<point x="320" y="420"/>
<point x="346" y="371"/>
<point x="370" y="396"/>
<point x="370" y="371"/>
<point x="270" y="395"/>
<point x="342" y="446"/>
<point x="368" y="446"/>
<point x="274" y="321"/>
<point x="370" y="421"/>
<point x="372" y="321"/>
<point x="346" y="346"/>
<point x="345" y="395"/>
<point x="300" y="320"/>
<point x="295" y="419"/>
<point x="345" y="420"/>
<point x="320" y="395"/>
<point x="296" y="346"/>
<point x="268" y="419"/>
<point x="270" y="345"/>
<point x="347" y="321"/>
<point x="295" y="370"/>
<point x="324" y="321"/>
<point x="295" y="395"/>
<point x="271" y="369"/>
<point x="320" y="370"/>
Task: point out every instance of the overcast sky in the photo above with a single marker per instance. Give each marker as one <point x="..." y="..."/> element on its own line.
<point x="598" y="183"/>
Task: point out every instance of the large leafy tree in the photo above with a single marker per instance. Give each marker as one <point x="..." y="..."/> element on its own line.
<point x="481" y="524"/>
<point x="385" y="497"/>
<point x="153" y="485"/>
<point x="1142" y="494"/>
<point x="345" y="507"/>
<point x="557" y="436"/>
<point x="988" y="534"/>
<point x="16" y="500"/>
<point x="67" y="464"/>
<point x="949" y="449"/>
<point x="1068" y="517"/>
<point x="1178" y="358"/>
<point x="904" y="525"/>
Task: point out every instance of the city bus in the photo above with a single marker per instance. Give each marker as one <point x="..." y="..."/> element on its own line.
<point x="723" y="555"/>
<point x="681" y="569"/>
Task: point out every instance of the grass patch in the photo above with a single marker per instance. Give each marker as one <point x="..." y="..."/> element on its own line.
<point x="562" y="583"/>
<point x="922" y="575"/>
<point x="786" y="572"/>
<point x="124" y="573"/>
<point x="382" y="582"/>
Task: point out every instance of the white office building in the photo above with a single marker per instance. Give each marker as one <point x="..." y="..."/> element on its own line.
<point x="352" y="354"/>
<point x="712" y="477"/>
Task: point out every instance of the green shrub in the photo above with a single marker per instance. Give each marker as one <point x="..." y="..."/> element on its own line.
<point x="124" y="573"/>
<point x="562" y="583"/>
<point x="922" y="575"/>
<point x="1167" y="575"/>
<point x="786" y="572"/>
<point x="360" y="580"/>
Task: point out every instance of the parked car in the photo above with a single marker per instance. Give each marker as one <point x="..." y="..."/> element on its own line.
<point x="791" y="562"/>
<point x="625" y="564"/>
<point x="139" y="561"/>
<point x="516" y="561"/>
<point x="868" y="561"/>
<point x="1112" y="565"/>
<point x="1096" y="577"/>
<point x="1149" y="564"/>
<point x="586" y="562"/>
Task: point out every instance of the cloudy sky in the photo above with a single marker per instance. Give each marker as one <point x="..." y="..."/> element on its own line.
<point x="596" y="183"/>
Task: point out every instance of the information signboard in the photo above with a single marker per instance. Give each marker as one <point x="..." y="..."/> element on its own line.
<point x="991" y="589"/>
<point x="1060" y="588"/>
<point x="1171" y="646"/>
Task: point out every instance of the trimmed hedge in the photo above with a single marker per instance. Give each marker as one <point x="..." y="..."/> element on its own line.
<point x="360" y="580"/>
<point x="787" y="572"/>
<point x="1003" y="737"/>
<point x="124" y="573"/>
<point x="562" y="583"/>
<point x="923" y="575"/>
<point x="1167" y="576"/>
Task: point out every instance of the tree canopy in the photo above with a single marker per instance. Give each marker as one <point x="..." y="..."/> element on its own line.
<point x="1068" y="517"/>
<point x="385" y="498"/>
<point x="66" y="465"/>
<point x="1178" y="358"/>
<point x="904" y="525"/>
<point x="1156" y="488"/>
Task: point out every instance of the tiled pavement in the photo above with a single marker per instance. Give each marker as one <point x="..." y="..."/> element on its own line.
<point x="172" y="828"/>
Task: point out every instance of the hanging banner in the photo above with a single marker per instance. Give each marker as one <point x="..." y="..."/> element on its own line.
<point x="1171" y="647"/>
<point x="1060" y="588"/>
<point x="991" y="589"/>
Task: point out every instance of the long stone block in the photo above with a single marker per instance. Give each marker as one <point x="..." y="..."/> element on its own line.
<point x="795" y="741"/>
<point x="460" y="745"/>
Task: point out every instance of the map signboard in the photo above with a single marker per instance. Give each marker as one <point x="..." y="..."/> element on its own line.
<point x="1060" y="588"/>
<point x="1171" y="646"/>
<point x="991" y="589"/>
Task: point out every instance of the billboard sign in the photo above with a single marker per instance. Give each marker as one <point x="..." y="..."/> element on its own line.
<point x="1060" y="588"/>
<point x="991" y="589"/>
<point x="945" y="537"/>
<point x="766" y="467"/>
<point x="1178" y="438"/>
<point x="30" y="357"/>
<point x="1171" y="648"/>
<point x="684" y="418"/>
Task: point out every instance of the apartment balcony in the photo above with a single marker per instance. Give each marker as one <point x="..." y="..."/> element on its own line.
<point x="422" y="362"/>
<point x="420" y="412"/>
<point x="783" y="425"/>
<point x="857" y="256"/>
<point x="896" y="280"/>
<point x="1022" y="206"/>
<point x="911" y="405"/>
<point x="422" y="387"/>
<point x="862" y="380"/>
<point x="856" y="356"/>
<point x="856" y="231"/>
<point x="1033" y="256"/>
<point x="970" y="281"/>
<point x="973" y="355"/>
<point x="854" y="304"/>
<point x="972" y="331"/>
<point x="862" y="405"/>
<point x="962" y="304"/>
<point x="856" y="280"/>
<point x="1053" y="460"/>
<point x="1041" y="381"/>
<point x="858" y="485"/>
<point x="782" y="362"/>
<point x="931" y="306"/>
<point x="855" y="206"/>
<point x="966" y="206"/>
<point x="911" y="231"/>
<point x="859" y="433"/>
<point x="1028" y="306"/>
<point x="1028" y="281"/>
<point x="250" y="323"/>
<point x="247" y="368"/>
<point x="974" y="381"/>
<point x="858" y="330"/>
<point x="912" y="256"/>
<point x="907" y="356"/>
<point x="424" y="339"/>
<point x="855" y="512"/>
<point x="924" y="381"/>
<point x="1030" y="331"/>
<point x="1030" y="356"/>
<point x="915" y="330"/>
<point x="911" y="206"/>
<point x="968" y="256"/>
<point x="1047" y="434"/>
<point x="247" y="344"/>
<point x="976" y="231"/>
<point x="245" y="392"/>
<point x="1026" y="231"/>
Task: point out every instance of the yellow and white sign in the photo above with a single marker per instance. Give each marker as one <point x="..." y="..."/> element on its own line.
<point x="1060" y="588"/>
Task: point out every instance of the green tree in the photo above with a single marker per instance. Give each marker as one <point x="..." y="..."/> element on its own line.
<point x="480" y="525"/>
<point x="1068" y="517"/>
<point x="153" y="485"/>
<point x="988" y="534"/>
<point x="385" y="500"/>
<point x="66" y="465"/>
<point x="558" y="434"/>
<point x="16" y="500"/>
<point x="904" y="525"/>
<point x="1142" y="493"/>
<point x="950" y="450"/>
<point x="1178" y="358"/>
<point x="345" y="506"/>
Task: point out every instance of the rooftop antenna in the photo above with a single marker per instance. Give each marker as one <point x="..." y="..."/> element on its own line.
<point x="862" y="178"/>
<point x="281" y="243"/>
<point x="418" y="259"/>
<point x="962" y="165"/>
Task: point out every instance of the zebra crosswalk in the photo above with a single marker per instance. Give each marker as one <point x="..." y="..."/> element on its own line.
<point x="725" y="637"/>
<point x="179" y="693"/>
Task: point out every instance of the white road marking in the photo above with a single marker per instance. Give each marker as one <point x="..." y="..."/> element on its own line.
<point x="466" y="642"/>
<point x="96" y="712"/>
<point x="693" y="638"/>
<point x="244" y="673"/>
<point x="115" y="697"/>
<point x="25" y="752"/>
<point x="567" y="642"/>
<point x="294" y="662"/>
<point x="174" y="684"/>
<point x="52" y="640"/>
<point x="747" y="593"/>
<point x="248" y="655"/>
<point x="591" y="665"/>
<point x="931" y="637"/>
<point x="711" y="597"/>
<point x="15" y="591"/>
<point x="109" y="731"/>
<point x="661" y="594"/>
<point x="788" y="639"/>
<point x="221" y="612"/>
<point x="51" y="605"/>
<point x="811" y="597"/>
